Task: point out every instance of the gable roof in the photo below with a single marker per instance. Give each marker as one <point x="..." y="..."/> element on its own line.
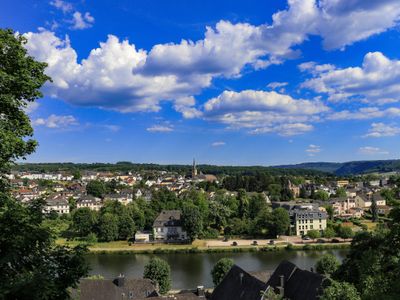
<point x="107" y="289"/>
<point x="168" y="218"/>
<point x="298" y="284"/>
<point x="239" y="285"/>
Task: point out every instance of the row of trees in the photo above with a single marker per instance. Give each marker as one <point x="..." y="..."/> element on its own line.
<point x="202" y="217"/>
<point x="114" y="221"/>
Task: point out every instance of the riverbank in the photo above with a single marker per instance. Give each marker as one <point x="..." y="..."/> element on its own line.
<point x="198" y="246"/>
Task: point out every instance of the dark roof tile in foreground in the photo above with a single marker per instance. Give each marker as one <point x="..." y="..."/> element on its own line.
<point x="239" y="285"/>
<point x="298" y="284"/>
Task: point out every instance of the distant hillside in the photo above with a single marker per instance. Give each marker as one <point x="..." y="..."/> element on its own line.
<point x="182" y="169"/>
<point x="349" y="168"/>
<point x="316" y="166"/>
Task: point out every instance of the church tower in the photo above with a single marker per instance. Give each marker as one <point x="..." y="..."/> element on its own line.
<point x="194" y="169"/>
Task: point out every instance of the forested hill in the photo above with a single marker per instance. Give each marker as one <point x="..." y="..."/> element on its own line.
<point x="314" y="168"/>
<point x="181" y="169"/>
<point x="349" y="168"/>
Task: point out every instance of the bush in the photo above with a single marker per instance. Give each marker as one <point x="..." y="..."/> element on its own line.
<point x="220" y="269"/>
<point x="210" y="233"/>
<point x="91" y="238"/>
<point x="289" y="247"/>
<point x="327" y="264"/>
<point x="159" y="271"/>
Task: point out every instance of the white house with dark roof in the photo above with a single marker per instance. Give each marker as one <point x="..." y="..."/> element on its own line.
<point x="122" y="198"/>
<point x="90" y="202"/>
<point x="304" y="220"/>
<point x="56" y="203"/>
<point x="168" y="226"/>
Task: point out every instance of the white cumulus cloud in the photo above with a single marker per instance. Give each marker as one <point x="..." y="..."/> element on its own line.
<point x="56" y="121"/>
<point x="160" y="128"/>
<point x="64" y="6"/>
<point x="376" y="81"/>
<point x="368" y="150"/>
<point x="378" y="130"/>
<point x="81" y="21"/>
<point x="312" y="150"/>
<point x="264" y="112"/>
<point x="118" y="76"/>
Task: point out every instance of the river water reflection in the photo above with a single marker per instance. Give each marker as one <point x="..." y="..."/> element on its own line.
<point x="191" y="270"/>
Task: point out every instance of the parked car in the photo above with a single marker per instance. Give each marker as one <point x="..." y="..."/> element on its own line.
<point x="335" y="241"/>
<point x="255" y="243"/>
<point x="306" y="238"/>
<point x="271" y="242"/>
<point x="320" y="241"/>
<point x="234" y="244"/>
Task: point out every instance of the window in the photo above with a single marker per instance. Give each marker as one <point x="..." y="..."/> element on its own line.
<point x="311" y="227"/>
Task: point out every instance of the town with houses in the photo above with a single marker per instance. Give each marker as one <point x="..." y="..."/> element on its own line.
<point x="342" y="199"/>
<point x="305" y="214"/>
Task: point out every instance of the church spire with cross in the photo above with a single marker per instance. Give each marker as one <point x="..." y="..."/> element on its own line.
<point x="194" y="169"/>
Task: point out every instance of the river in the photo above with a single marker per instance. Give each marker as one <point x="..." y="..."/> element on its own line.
<point x="191" y="270"/>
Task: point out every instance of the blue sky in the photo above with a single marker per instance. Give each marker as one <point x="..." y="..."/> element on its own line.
<point x="227" y="82"/>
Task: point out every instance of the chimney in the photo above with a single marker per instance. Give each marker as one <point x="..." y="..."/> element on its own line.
<point x="200" y="291"/>
<point x="241" y="275"/>
<point x="281" y="287"/>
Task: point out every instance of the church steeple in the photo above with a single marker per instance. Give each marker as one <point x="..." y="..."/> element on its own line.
<point x="194" y="169"/>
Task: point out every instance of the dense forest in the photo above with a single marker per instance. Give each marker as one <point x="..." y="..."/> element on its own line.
<point x="349" y="168"/>
<point x="181" y="169"/>
<point x="303" y="169"/>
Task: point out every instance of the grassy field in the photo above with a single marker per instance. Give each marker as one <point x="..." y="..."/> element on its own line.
<point x="371" y="225"/>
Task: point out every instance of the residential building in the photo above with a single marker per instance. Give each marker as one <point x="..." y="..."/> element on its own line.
<point x="303" y="220"/>
<point x="384" y="210"/>
<point x="89" y="201"/>
<point x="168" y="226"/>
<point x="342" y="183"/>
<point x="56" y="203"/>
<point x="363" y="201"/>
<point x="122" y="198"/>
<point x="342" y="206"/>
<point x="294" y="189"/>
<point x="380" y="201"/>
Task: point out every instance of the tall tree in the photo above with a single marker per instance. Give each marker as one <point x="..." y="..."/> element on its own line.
<point x="96" y="188"/>
<point x="374" y="210"/>
<point x="21" y="78"/>
<point x="159" y="271"/>
<point x="192" y="221"/>
<point x="327" y="264"/>
<point x="108" y="227"/>
<point x="83" y="221"/>
<point x="280" y="222"/>
<point x="243" y="210"/>
<point x="32" y="266"/>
